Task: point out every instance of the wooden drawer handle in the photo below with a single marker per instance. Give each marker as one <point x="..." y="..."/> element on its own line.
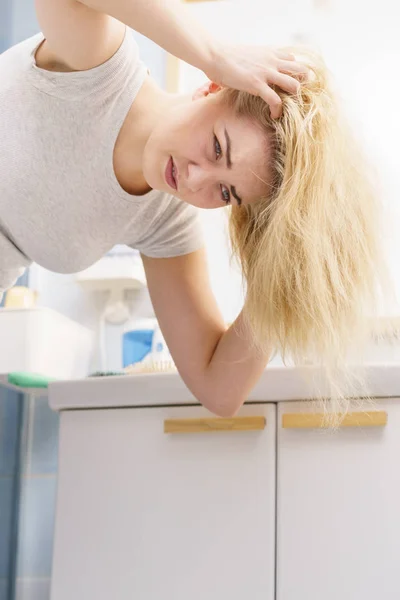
<point x="316" y="420"/>
<point x="214" y="424"/>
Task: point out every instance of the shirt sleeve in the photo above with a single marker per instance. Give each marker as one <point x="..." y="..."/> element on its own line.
<point x="121" y="71"/>
<point x="178" y="231"/>
<point x="8" y="278"/>
<point x="12" y="263"/>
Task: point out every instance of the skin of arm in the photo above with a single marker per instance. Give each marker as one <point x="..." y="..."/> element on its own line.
<point x="218" y="364"/>
<point x="168" y="23"/>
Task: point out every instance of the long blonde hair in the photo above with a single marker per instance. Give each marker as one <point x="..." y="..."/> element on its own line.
<point x="310" y="252"/>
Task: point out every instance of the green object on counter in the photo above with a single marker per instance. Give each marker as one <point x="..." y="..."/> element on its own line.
<point x="29" y="380"/>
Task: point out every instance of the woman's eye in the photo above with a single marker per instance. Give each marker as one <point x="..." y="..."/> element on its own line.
<point x="217" y="146"/>
<point x="226" y="197"/>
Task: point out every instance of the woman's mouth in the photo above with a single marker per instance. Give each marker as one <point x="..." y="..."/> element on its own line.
<point x="171" y="174"/>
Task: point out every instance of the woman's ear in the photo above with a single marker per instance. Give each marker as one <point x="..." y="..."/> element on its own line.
<point x="208" y="88"/>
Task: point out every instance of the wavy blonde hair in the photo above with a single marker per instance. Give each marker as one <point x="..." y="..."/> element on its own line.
<point x="310" y="251"/>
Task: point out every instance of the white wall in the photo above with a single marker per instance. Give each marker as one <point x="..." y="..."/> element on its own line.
<point x="360" y="42"/>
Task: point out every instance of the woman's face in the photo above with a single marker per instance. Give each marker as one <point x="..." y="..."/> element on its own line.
<point x="211" y="155"/>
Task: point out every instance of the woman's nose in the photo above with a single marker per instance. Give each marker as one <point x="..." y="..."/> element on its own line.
<point x="198" y="177"/>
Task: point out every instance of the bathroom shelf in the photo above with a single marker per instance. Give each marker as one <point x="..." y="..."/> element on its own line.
<point x="44" y="341"/>
<point x="114" y="272"/>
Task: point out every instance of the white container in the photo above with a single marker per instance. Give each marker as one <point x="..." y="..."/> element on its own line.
<point x="43" y="341"/>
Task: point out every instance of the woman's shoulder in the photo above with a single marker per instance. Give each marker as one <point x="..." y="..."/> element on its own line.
<point x="19" y="57"/>
<point x="122" y="71"/>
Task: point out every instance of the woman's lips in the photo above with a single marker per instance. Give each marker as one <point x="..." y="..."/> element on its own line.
<point x="171" y="176"/>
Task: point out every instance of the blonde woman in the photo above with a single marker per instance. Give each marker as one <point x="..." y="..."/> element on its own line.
<point x="94" y="153"/>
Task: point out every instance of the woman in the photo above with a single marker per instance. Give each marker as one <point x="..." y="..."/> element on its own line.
<point x="96" y="154"/>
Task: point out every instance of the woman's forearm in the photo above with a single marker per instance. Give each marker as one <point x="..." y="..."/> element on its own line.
<point x="233" y="371"/>
<point x="168" y="23"/>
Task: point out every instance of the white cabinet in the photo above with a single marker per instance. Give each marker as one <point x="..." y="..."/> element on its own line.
<point x="145" y="515"/>
<point x="338" y="510"/>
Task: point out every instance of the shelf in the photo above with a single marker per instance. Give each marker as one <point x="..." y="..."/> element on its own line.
<point x="41" y="340"/>
<point x="115" y="272"/>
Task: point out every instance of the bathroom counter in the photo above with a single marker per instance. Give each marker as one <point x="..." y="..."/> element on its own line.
<point x="277" y="383"/>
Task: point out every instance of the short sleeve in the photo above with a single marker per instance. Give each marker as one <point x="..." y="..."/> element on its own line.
<point x="12" y="263"/>
<point x="8" y="278"/>
<point x="178" y="231"/>
<point x="122" y="70"/>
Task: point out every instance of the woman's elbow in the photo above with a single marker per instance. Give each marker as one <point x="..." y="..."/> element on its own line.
<point x="224" y="409"/>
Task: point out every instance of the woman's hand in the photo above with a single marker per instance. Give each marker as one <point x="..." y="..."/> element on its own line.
<point x="254" y="69"/>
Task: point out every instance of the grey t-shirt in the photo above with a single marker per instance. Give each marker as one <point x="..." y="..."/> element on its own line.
<point x="61" y="205"/>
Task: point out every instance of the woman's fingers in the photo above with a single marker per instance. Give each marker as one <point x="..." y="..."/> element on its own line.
<point x="285" y="55"/>
<point x="257" y="70"/>
<point x="287" y="66"/>
<point x="272" y="99"/>
<point x="285" y="82"/>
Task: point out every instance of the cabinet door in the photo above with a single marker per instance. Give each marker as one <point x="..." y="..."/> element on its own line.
<point x="338" y="509"/>
<point x="147" y="515"/>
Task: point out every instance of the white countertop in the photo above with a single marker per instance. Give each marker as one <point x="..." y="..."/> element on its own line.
<point x="277" y="383"/>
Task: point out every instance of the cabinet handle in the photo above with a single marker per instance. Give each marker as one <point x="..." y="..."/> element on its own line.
<point x="216" y="424"/>
<point x="316" y="420"/>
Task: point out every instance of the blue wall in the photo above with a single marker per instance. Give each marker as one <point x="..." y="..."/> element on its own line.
<point x="38" y="485"/>
<point x="23" y="20"/>
<point x="28" y="483"/>
<point x="5" y="24"/>
<point x="11" y="414"/>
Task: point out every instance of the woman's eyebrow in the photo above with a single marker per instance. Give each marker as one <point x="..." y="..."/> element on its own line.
<point x="228" y="157"/>
<point x="228" y="150"/>
<point x="235" y="194"/>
